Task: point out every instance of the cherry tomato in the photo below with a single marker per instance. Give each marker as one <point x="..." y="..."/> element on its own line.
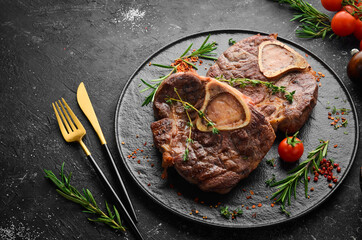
<point x="343" y="23"/>
<point x="332" y="5"/>
<point x="291" y="149"/>
<point x="351" y="10"/>
<point x="358" y="30"/>
<point x="359" y="5"/>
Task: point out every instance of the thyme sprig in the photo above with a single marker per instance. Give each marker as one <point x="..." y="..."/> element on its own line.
<point x="204" y="51"/>
<point x="314" y="23"/>
<point x="243" y="82"/>
<point x="288" y="186"/>
<point x="201" y="114"/>
<point x="87" y="200"/>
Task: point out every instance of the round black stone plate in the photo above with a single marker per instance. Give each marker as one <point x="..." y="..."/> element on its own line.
<point x="132" y="129"/>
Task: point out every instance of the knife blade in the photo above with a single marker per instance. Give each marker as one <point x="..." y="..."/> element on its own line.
<point x="87" y="108"/>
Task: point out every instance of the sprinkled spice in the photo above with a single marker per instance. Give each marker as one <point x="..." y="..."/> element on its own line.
<point x="253" y="207"/>
<point x="259" y="205"/>
<point x="338" y="122"/>
<point x="122" y="143"/>
<point x="272" y="205"/>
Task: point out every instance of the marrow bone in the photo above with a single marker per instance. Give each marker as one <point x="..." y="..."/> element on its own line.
<point x="275" y="59"/>
<point x="225" y="106"/>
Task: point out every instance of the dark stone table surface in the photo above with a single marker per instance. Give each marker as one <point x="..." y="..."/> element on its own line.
<point x="48" y="47"/>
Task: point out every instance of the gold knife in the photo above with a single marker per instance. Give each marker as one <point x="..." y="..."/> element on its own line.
<point x="87" y="108"/>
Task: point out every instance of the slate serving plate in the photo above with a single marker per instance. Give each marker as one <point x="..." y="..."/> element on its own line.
<point x="132" y="129"/>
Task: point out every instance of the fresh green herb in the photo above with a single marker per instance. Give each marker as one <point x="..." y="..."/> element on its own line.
<point x="87" y="200"/>
<point x="224" y="211"/>
<point x="346" y="133"/>
<point x="328" y="107"/>
<point x="270" y="181"/>
<point x="334" y="110"/>
<point x="271" y="162"/>
<point x="345" y="110"/>
<point x="243" y="82"/>
<point x="231" y="41"/>
<point x="292" y="140"/>
<point x="288" y="186"/>
<point x="314" y="23"/>
<point x="187" y="106"/>
<point x="204" y="51"/>
<point x="345" y="123"/>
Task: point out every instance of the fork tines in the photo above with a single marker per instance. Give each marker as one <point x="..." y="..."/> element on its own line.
<point x="67" y="124"/>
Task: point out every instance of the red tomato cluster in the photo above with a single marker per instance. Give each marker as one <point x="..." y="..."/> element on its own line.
<point x="347" y="20"/>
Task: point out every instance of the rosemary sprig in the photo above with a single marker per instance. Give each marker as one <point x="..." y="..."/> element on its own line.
<point x="87" y="200"/>
<point x="201" y="114"/>
<point x="226" y="213"/>
<point x="313" y="22"/>
<point x="243" y="82"/>
<point x="204" y="51"/>
<point x="288" y="186"/>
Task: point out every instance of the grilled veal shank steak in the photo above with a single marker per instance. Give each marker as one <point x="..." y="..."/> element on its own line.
<point x="266" y="59"/>
<point x="216" y="162"/>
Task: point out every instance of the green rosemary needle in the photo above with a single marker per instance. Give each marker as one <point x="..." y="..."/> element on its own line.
<point x="87" y="200"/>
<point x="313" y="22"/>
<point x="204" y="51"/>
<point x="288" y="186"/>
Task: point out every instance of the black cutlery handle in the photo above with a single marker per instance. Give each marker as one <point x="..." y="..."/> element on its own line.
<point x="110" y="188"/>
<point x="123" y="187"/>
<point x="360" y="178"/>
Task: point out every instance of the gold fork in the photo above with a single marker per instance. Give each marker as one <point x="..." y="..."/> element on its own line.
<point x="73" y="131"/>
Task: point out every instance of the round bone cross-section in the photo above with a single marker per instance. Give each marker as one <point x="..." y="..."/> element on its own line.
<point x="216" y="162"/>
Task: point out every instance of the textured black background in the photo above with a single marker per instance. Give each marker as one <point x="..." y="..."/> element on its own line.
<point x="48" y="47"/>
